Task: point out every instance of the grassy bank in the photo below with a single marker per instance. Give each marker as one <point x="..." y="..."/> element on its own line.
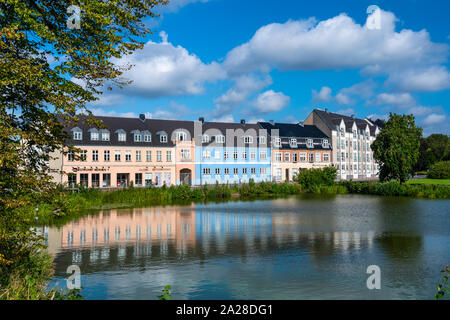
<point x="445" y="182"/>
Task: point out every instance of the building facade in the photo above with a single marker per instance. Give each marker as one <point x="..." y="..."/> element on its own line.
<point x="139" y="152"/>
<point x="296" y="147"/>
<point x="232" y="153"/>
<point x="351" y="140"/>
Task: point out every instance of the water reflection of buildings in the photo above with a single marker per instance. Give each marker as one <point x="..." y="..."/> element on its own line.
<point x="142" y="236"/>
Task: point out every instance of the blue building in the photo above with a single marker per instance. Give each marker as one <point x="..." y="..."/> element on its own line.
<point x="232" y="153"/>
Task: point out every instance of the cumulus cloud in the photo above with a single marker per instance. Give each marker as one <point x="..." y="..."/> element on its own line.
<point x="433" y="119"/>
<point x="162" y="69"/>
<point x="112" y="113"/>
<point x="399" y="99"/>
<point x="271" y="101"/>
<point x="340" y="43"/>
<point x="429" y="79"/>
<point x="224" y="118"/>
<point x="323" y="95"/>
<point x="346" y="112"/>
<point x="175" y="5"/>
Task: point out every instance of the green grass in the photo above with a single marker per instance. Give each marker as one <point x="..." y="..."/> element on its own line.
<point x="444" y="182"/>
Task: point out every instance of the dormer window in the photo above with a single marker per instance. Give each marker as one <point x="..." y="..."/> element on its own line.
<point x="309" y="143"/>
<point x="277" y="142"/>
<point x="163" y="138"/>
<point x="262" y="140"/>
<point x="293" y="143"/>
<point x="205" y="138"/>
<point x="137" y="137"/>
<point x="325" y="143"/>
<point x="342" y="132"/>
<point x="181" y="136"/>
<point x="220" y="139"/>
<point x="94" y="136"/>
<point x="147" y="137"/>
<point x="248" y="139"/>
<point x="105" y="136"/>
<point x="77" y="135"/>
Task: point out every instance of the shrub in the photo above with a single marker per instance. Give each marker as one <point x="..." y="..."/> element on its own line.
<point x="440" y="170"/>
<point x="311" y="179"/>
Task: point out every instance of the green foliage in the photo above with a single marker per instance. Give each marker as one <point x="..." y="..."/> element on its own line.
<point x="166" y="293"/>
<point x="443" y="288"/>
<point x="440" y="170"/>
<point x="311" y="180"/>
<point x="396" y="148"/>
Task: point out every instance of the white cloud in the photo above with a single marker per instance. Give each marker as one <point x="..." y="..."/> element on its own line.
<point x="175" y="5"/>
<point x="346" y="112"/>
<point x="434" y="119"/>
<point x="162" y="69"/>
<point x="344" y="99"/>
<point x="399" y="99"/>
<point x="113" y="113"/>
<point x="271" y="101"/>
<point x="224" y="118"/>
<point x="363" y="89"/>
<point x="428" y="79"/>
<point x="419" y="111"/>
<point x="340" y="43"/>
<point x="323" y="95"/>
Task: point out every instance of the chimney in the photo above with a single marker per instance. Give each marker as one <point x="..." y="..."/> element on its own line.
<point x="142" y="117"/>
<point x="243" y="122"/>
<point x="201" y="119"/>
<point x="326" y="110"/>
<point x="271" y="122"/>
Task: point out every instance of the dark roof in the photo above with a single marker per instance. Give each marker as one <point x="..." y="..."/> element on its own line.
<point x="332" y="119"/>
<point x="220" y="128"/>
<point x="294" y="130"/>
<point x="154" y="126"/>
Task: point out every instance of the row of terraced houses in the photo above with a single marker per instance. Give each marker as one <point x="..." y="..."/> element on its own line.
<point x="151" y="152"/>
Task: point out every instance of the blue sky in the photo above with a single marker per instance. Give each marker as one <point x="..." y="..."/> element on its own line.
<point x="228" y="60"/>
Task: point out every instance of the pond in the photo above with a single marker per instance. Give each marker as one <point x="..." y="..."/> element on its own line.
<point x="305" y="247"/>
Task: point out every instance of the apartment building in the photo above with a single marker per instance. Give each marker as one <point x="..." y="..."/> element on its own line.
<point x="295" y="147"/>
<point x="351" y="140"/>
<point x="232" y="153"/>
<point x="128" y="151"/>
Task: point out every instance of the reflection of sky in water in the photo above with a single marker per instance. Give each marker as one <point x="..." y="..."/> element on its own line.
<point x="296" y="248"/>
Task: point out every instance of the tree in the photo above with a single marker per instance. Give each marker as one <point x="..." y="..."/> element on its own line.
<point x="434" y="148"/>
<point x="48" y="70"/>
<point x="396" y="148"/>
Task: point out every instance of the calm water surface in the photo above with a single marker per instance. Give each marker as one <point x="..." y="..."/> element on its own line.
<point x="305" y="247"/>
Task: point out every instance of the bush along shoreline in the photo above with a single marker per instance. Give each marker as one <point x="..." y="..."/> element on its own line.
<point x="68" y="205"/>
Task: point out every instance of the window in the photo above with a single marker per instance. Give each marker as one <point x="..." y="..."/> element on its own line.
<point x="325" y="143"/>
<point x="354" y="145"/>
<point x="278" y="174"/>
<point x="262" y="155"/>
<point x="244" y="155"/>
<point x="181" y="136"/>
<point x="253" y="170"/>
<point x="116" y="155"/>
<point x="262" y="139"/>
<point x="106" y="155"/>
<point x="277" y="142"/>
<point x="287" y="157"/>
<point x="159" y="156"/>
<point x="128" y="156"/>
<point x="248" y="139"/>
<point x="318" y="157"/>
<point x="163" y="138"/>
<point x="94" y="155"/>
<point x="278" y="157"/>
<point x="302" y="157"/>
<point x="206" y="171"/>
<point x="137" y="137"/>
<point x="225" y="155"/>
<point x="311" y="157"/>
<point x="217" y="171"/>
<point x="205" y="138"/>
<point x="217" y="154"/>
<point x="226" y="170"/>
<point x="77" y="135"/>
<point x="326" y="157"/>
<point x="293" y="143"/>
<point x="148" y="155"/>
<point x="138" y="179"/>
<point x="235" y="170"/>
<point x="84" y="179"/>
<point x="220" y="139"/>
<point x="263" y="170"/>
<point x="169" y="156"/>
<point x="342" y="144"/>
<point x="342" y="132"/>
<point x="71" y="156"/>
<point x="355" y="158"/>
<point x="95" y="180"/>
<point x="147" y="137"/>
<point x="342" y="156"/>
<point x="309" y="143"/>
<point x="106" y="180"/>
<point x="83" y="155"/>
<point x="105" y="136"/>
<point x="206" y="154"/>
<point x="72" y="180"/>
<point x="138" y="155"/>
<point x="235" y="154"/>
<point x="122" y="136"/>
<point x="185" y="154"/>
<point x="244" y="170"/>
<point x="354" y="134"/>
<point x="94" y="136"/>
<point x="295" y="157"/>
<point x="253" y="155"/>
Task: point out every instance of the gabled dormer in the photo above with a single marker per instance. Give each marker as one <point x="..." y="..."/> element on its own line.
<point x="77" y="134"/>
<point x="121" y="135"/>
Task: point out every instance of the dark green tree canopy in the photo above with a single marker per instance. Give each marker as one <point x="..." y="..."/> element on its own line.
<point x="396" y="148"/>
